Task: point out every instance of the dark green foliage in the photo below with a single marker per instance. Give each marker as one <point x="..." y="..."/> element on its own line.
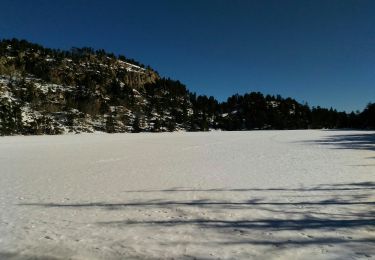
<point x="110" y="124"/>
<point x="136" y="125"/>
<point x="254" y="111"/>
<point x="367" y="117"/>
<point x="10" y="119"/>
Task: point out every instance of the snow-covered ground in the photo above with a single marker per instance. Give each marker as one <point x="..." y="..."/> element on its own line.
<point x="217" y="195"/>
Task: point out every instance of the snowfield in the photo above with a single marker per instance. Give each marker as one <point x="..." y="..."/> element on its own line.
<point x="301" y="194"/>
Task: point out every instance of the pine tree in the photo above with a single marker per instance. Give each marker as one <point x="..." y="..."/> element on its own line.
<point x="136" y="125"/>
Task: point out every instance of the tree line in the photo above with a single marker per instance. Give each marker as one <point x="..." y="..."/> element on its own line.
<point x="95" y="90"/>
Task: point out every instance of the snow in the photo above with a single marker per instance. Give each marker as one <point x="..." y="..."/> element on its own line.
<point x="305" y="194"/>
<point x="131" y="67"/>
<point x="7" y="95"/>
<point x="28" y="115"/>
<point x="273" y="103"/>
<point x="4" y="80"/>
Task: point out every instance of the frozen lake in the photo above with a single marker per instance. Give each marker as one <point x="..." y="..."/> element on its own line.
<point x="304" y="194"/>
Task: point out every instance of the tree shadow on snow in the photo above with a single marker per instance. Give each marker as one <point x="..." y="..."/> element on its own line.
<point x="351" y="207"/>
<point x="358" y="141"/>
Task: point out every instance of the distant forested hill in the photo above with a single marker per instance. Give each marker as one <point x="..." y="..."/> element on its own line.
<point x="48" y="91"/>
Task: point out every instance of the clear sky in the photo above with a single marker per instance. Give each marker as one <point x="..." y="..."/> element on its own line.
<point x="321" y="52"/>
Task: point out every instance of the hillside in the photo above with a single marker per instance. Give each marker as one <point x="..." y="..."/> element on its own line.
<point x="51" y="91"/>
<point x="48" y="91"/>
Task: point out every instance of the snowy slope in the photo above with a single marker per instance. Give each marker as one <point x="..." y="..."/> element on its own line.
<point x="217" y="195"/>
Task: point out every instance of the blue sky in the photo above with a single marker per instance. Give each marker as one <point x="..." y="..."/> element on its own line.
<point x="321" y="52"/>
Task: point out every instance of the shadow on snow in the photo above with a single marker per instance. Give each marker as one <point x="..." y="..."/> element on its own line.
<point x="357" y="211"/>
<point x="359" y="141"/>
